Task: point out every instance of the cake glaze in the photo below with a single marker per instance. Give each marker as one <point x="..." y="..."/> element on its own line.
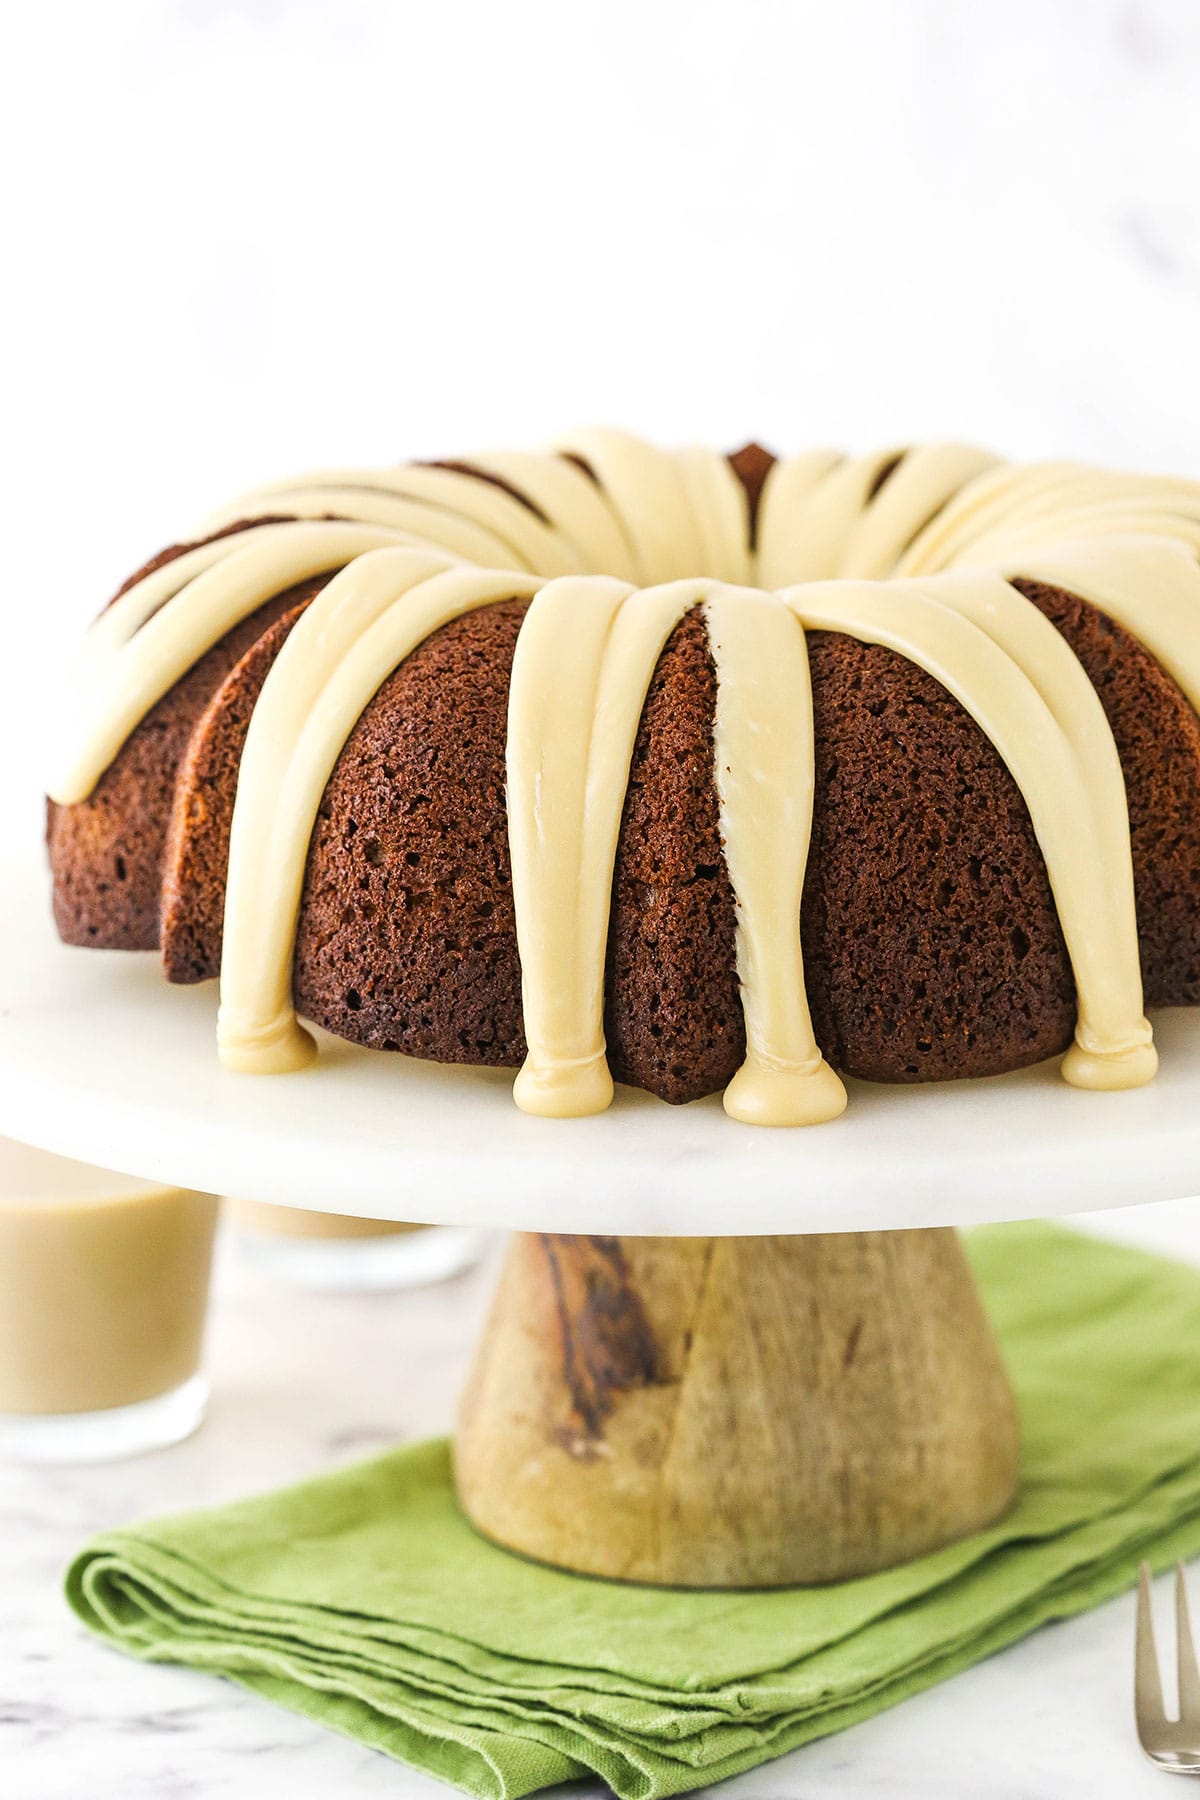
<point x="934" y="555"/>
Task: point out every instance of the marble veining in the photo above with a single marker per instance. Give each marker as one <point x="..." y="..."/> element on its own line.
<point x="1087" y="181"/>
<point x="78" y="1722"/>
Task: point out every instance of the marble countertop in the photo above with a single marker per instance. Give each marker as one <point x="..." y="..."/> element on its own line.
<point x="981" y="225"/>
<point x="1047" y="1718"/>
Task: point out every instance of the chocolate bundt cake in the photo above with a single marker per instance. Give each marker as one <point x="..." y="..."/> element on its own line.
<point x="698" y="772"/>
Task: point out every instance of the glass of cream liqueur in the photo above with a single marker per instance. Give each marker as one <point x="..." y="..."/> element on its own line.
<point x="341" y="1253"/>
<point x="103" y="1293"/>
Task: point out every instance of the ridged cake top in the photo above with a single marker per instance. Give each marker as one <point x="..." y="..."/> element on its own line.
<point x="614" y="541"/>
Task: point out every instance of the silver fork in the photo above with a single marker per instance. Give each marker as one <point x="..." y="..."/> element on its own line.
<point x="1171" y="1744"/>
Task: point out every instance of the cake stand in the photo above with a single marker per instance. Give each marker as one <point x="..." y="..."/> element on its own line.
<point x="718" y="1355"/>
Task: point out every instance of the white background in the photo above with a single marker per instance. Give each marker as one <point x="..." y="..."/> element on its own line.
<point x="246" y="238"/>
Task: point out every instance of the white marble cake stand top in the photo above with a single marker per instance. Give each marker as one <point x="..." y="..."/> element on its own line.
<point x="101" y="1060"/>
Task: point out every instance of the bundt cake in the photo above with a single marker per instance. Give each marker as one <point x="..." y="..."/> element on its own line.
<point x="699" y="772"/>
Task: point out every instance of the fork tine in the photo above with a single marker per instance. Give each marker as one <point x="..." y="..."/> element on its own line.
<point x="1189" y="1674"/>
<point x="1147" y="1688"/>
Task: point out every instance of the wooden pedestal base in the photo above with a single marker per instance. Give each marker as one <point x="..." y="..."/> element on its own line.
<point x="736" y="1412"/>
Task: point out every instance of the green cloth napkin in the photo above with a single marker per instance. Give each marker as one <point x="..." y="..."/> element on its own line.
<point x="364" y="1601"/>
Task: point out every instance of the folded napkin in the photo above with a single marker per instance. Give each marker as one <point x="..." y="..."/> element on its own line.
<point x="363" y="1600"/>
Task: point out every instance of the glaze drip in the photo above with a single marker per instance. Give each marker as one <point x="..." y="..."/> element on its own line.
<point x="615" y="541"/>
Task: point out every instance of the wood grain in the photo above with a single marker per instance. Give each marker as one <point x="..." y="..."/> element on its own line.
<point x="736" y="1412"/>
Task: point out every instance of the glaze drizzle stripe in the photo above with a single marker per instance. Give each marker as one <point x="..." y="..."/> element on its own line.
<point x="543" y="550"/>
<point x="129" y="612"/>
<point x="574" y="504"/>
<point x="648" y="490"/>
<point x="939" y="517"/>
<point x="1052" y="753"/>
<point x="353" y="635"/>
<point x="529" y="542"/>
<point x="1051" y="503"/>
<point x="925" y="481"/>
<point x="585" y="658"/>
<point x="783" y="511"/>
<point x="1108" y="912"/>
<point x="1151" y="586"/>
<point x="413" y="521"/>
<point x="721" y="512"/>
<point x="999" y="492"/>
<point x="1118" y="518"/>
<point x="821" y="524"/>
<point x="582" y="666"/>
<point x="123" y="680"/>
<point x="764" y="759"/>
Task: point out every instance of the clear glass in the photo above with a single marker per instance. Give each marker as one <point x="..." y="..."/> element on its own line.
<point x="338" y="1253"/>
<point x="104" y="1436"/>
<point x="103" y="1296"/>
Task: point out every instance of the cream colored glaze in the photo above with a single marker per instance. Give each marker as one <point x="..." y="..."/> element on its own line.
<point x="414" y="521"/>
<point x="649" y="490"/>
<point x="946" y="518"/>
<point x="1119" y="519"/>
<point x="103" y="1284"/>
<point x="357" y="630"/>
<point x="571" y="501"/>
<point x="256" y="1026"/>
<point x="923" y="482"/>
<point x="537" y="546"/>
<point x="1028" y="695"/>
<point x="528" y="542"/>
<point x="764" y="769"/>
<point x="1150" y="586"/>
<point x="818" y="527"/>
<point x="823" y="516"/>
<point x="1093" y="885"/>
<point x="122" y="680"/>
<point x="722" y="515"/>
<point x="999" y="492"/>
<point x="1047" y="504"/>
<point x="786" y="497"/>
<point x="583" y="663"/>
